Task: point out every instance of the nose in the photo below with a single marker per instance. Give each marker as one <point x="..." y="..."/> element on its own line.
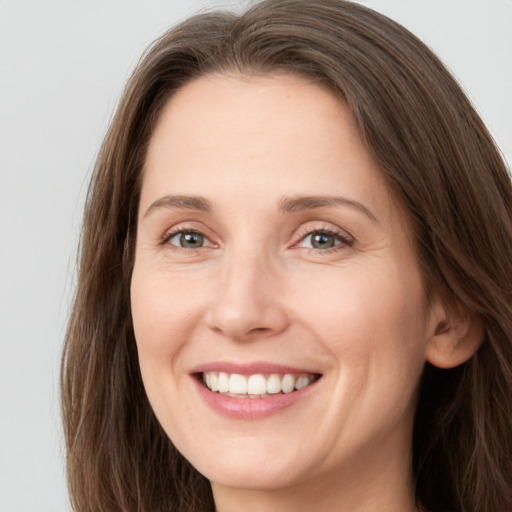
<point x="247" y="304"/>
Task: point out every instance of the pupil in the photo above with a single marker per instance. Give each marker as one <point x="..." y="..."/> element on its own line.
<point x="191" y="240"/>
<point x="322" y="241"/>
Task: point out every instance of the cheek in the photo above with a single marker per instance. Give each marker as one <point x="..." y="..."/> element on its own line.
<point x="370" y="321"/>
<point x="370" y="300"/>
<point x="164" y="311"/>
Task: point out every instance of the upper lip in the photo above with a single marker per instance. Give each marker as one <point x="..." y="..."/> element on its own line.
<point x="249" y="368"/>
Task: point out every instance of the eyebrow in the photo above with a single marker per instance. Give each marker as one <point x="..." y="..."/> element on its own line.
<point x="181" y="202"/>
<point x="286" y="204"/>
<point x="310" y="202"/>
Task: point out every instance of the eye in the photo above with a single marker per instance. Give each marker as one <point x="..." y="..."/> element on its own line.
<point x="321" y="240"/>
<point x="187" y="239"/>
<point x="325" y="239"/>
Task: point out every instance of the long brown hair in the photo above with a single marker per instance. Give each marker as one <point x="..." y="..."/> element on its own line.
<point x="443" y="168"/>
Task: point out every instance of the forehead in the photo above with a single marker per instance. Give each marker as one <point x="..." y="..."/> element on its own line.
<point x="258" y="135"/>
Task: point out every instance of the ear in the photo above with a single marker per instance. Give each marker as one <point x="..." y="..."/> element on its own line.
<point x="457" y="334"/>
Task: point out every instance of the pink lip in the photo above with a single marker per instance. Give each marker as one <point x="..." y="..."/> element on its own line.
<point x="249" y="408"/>
<point x="248" y="368"/>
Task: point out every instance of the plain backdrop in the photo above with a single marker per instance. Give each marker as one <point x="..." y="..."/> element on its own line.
<point x="62" y="67"/>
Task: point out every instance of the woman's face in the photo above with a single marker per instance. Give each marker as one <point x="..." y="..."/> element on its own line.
<point x="270" y="256"/>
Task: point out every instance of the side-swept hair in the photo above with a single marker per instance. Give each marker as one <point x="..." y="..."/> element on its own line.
<point x="443" y="169"/>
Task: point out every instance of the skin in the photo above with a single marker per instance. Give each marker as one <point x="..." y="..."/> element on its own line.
<point x="257" y="290"/>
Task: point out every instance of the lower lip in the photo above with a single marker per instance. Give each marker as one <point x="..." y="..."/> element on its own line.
<point x="251" y="408"/>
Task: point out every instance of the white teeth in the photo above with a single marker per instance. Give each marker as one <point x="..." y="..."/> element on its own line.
<point x="223" y="382"/>
<point x="302" y="382"/>
<point x="214" y="381"/>
<point x="274" y="384"/>
<point x="257" y="385"/>
<point x="288" y="383"/>
<point x="237" y="384"/>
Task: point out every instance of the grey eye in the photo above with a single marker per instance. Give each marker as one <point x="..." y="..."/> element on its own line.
<point x="322" y="240"/>
<point x="188" y="240"/>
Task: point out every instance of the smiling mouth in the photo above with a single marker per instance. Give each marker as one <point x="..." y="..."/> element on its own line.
<point x="258" y="385"/>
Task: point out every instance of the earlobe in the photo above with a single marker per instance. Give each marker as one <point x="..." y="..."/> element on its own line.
<point x="456" y="336"/>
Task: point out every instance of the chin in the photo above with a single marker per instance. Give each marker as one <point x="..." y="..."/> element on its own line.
<point x="251" y="477"/>
<point x="252" y="464"/>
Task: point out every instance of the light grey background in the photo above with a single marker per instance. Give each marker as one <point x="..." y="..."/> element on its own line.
<point x="62" y="67"/>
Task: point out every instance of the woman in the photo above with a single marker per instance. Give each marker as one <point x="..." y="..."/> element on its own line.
<point x="295" y="284"/>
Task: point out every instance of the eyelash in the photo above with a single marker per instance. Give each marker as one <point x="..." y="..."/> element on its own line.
<point x="171" y="234"/>
<point x="340" y="236"/>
